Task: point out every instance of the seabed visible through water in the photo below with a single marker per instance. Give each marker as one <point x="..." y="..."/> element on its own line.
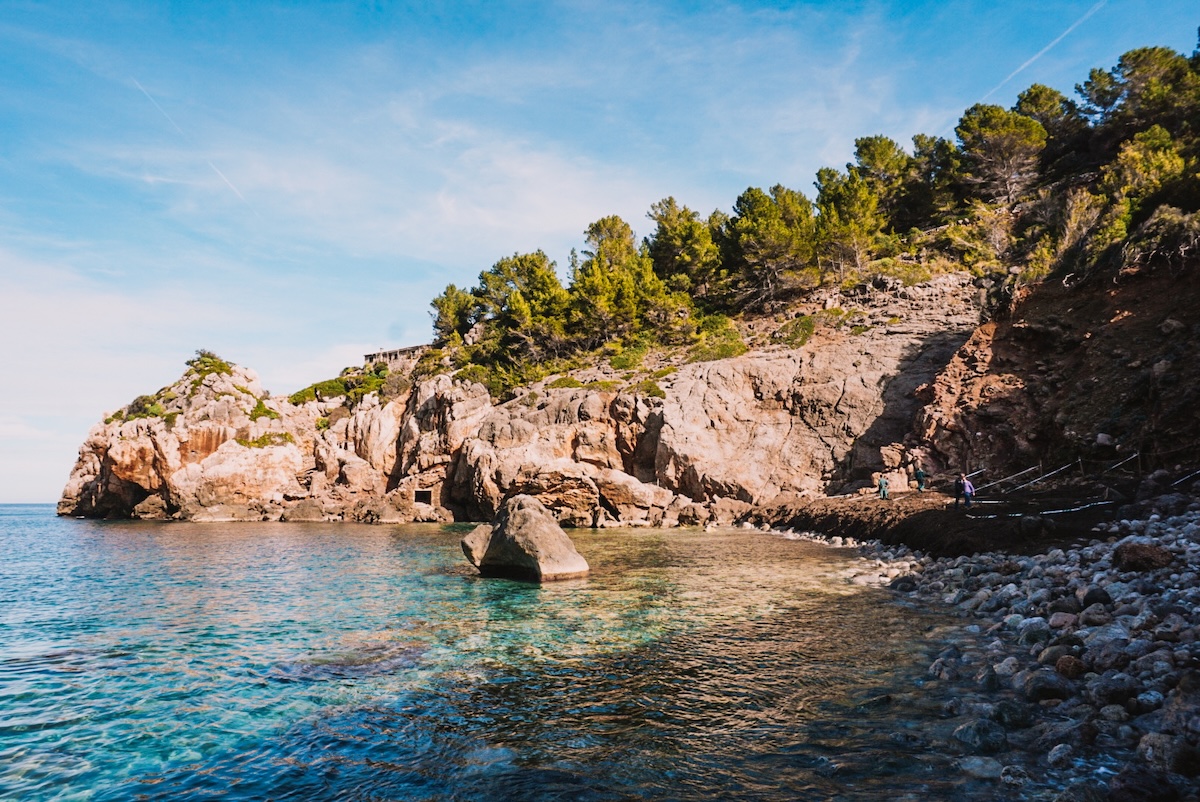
<point x="296" y="661"/>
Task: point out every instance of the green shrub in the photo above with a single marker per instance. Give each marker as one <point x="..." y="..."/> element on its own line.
<point x="261" y="410"/>
<point x="648" y="388"/>
<point x="354" y="384"/>
<point x="493" y="378"/>
<point x="170" y="418"/>
<point x="797" y="332"/>
<point x="329" y="389"/>
<point x="322" y="424"/>
<point x="323" y="391"/>
<point x="144" y="406"/>
<point x="430" y="364"/>
<point x="1170" y="238"/>
<point x="473" y="373"/>
<point x="908" y="272"/>
<point x="717" y="338"/>
<point x="662" y="373"/>
<point x="719" y="349"/>
<point x="501" y="380"/>
<point x="530" y="399"/>
<point x="856" y="330"/>
<point x="604" y="386"/>
<point x="302" y="396"/>
<point x="360" y="386"/>
<point x="564" y="382"/>
<point x="205" y="363"/>
<point x="268" y="439"/>
<point x="629" y="356"/>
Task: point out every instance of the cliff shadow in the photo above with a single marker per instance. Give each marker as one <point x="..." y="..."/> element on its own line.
<point x="920" y="364"/>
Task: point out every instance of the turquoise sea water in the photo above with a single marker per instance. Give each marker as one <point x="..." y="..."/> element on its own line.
<point x="290" y="661"/>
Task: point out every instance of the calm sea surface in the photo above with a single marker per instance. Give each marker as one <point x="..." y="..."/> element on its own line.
<point x="291" y="661"/>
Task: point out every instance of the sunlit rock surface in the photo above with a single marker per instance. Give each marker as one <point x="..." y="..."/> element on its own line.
<point x="724" y="437"/>
<point x="524" y="542"/>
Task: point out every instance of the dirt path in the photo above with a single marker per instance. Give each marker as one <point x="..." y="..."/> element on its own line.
<point x="930" y="522"/>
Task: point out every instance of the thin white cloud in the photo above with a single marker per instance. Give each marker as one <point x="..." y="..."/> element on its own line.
<point x="438" y="190"/>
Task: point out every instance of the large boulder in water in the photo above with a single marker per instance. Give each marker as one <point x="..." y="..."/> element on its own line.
<point x="524" y="542"/>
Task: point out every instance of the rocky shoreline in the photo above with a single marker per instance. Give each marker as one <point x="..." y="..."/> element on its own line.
<point x="1067" y="659"/>
<point x="672" y="441"/>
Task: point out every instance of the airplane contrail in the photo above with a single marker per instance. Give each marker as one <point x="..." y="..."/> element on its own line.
<point x="160" y="108"/>
<point x="1045" y="49"/>
<point x="228" y="183"/>
<point x="175" y="125"/>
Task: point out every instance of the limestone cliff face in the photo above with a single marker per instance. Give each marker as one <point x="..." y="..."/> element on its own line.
<point x="725" y="435"/>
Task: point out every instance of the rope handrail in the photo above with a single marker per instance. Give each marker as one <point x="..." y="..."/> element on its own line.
<point x="1044" y="476"/>
<point x="1184" y="479"/>
<point x="1119" y="464"/>
<point x="1006" y="478"/>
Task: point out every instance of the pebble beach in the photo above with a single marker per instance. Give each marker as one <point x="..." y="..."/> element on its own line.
<point x="1078" y="662"/>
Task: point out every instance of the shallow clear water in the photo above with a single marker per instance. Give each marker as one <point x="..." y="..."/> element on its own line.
<point x="289" y="661"/>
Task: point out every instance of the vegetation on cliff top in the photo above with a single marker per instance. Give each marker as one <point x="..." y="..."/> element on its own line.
<point x="204" y="364"/>
<point x="353" y="384"/>
<point x="160" y="405"/>
<point x="1108" y="181"/>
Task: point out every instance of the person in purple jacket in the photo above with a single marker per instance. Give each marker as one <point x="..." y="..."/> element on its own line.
<point x="963" y="487"/>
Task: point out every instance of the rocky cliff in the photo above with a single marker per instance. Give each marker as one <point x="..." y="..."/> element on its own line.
<point x="702" y="442"/>
<point x="1100" y="373"/>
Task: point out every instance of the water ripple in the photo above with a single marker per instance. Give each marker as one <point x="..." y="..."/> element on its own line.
<point x="261" y="661"/>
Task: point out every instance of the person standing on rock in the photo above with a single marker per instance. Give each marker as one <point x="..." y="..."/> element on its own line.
<point x="883" y="487"/>
<point x="919" y="475"/>
<point x="967" y="489"/>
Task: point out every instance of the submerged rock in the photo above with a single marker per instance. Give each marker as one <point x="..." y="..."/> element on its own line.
<point x="982" y="768"/>
<point x="524" y="542"/>
<point x="982" y="736"/>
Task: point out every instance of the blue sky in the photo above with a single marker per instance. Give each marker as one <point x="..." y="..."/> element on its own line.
<point x="289" y="184"/>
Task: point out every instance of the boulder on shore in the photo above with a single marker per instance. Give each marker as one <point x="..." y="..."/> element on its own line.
<point x="524" y="542"/>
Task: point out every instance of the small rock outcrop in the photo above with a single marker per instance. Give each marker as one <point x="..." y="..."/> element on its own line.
<point x="212" y="446"/>
<point x="524" y="542"/>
